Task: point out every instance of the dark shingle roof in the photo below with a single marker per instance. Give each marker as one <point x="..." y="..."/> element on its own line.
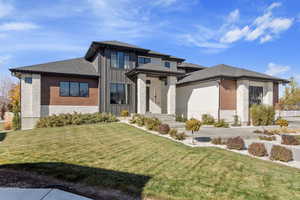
<point x="72" y="66"/>
<point x="226" y="71"/>
<point x="190" y="65"/>
<point x="120" y="44"/>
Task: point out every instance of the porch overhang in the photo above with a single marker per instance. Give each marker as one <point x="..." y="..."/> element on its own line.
<point x="152" y="72"/>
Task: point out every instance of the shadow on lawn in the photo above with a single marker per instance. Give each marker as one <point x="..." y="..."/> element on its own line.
<point x="132" y="184"/>
<point x="2" y="136"/>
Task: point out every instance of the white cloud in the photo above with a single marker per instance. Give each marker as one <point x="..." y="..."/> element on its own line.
<point x="17" y="26"/>
<point x="234" y="16"/>
<point x="5" y="8"/>
<point x="274" y="5"/>
<point x="234" y="35"/>
<point x="164" y="3"/>
<point x="276" y="69"/>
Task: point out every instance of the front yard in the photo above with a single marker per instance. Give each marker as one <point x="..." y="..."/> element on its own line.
<point x="122" y="157"/>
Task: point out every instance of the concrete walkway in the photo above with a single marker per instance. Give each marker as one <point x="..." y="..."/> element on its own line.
<point x="37" y="194"/>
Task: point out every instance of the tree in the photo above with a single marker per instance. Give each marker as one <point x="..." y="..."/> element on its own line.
<point x="291" y="98"/>
<point x="14" y="97"/>
<point x="6" y="84"/>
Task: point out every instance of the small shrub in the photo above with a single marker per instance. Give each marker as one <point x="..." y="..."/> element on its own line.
<point x="192" y="125"/>
<point x="236" y="121"/>
<point x="289" y="140"/>
<point x="235" y="143"/>
<point x="257" y="131"/>
<point x="218" y="141"/>
<point x="164" y="129"/>
<point x="221" y="124"/>
<point x="180" y="136"/>
<point x="152" y="123"/>
<point x="282" y="123"/>
<point x="140" y="121"/>
<point x="267" y="138"/>
<point x="281" y="153"/>
<point x="208" y="119"/>
<point x="124" y="113"/>
<point x="7" y="126"/>
<point x="258" y="149"/>
<point x="179" y="118"/>
<point x="134" y="118"/>
<point x="173" y="133"/>
<point x="262" y="115"/>
<point x="16" y="122"/>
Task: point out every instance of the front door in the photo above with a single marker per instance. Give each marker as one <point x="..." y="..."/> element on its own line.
<point x="147" y="99"/>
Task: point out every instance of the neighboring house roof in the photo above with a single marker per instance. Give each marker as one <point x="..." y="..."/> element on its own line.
<point x="114" y="43"/>
<point x="190" y="65"/>
<point x="72" y="66"/>
<point x="153" y="68"/>
<point x="226" y="71"/>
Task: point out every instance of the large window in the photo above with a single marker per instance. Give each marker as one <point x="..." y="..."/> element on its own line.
<point x="144" y="60"/>
<point x="73" y="89"/>
<point x="119" y="60"/>
<point x="167" y="64"/>
<point x="119" y="93"/>
<point x="255" y="95"/>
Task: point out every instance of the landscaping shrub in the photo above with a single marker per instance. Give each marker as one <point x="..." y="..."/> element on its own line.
<point x="235" y="143"/>
<point x="281" y="153"/>
<point x="179" y="118"/>
<point x="16" y="122"/>
<point x="262" y="115"/>
<point x="236" y="121"/>
<point x="180" y="136"/>
<point x="282" y="122"/>
<point x="134" y="118"/>
<point x="173" y="133"/>
<point x="208" y="119"/>
<point x="192" y="125"/>
<point x="257" y="149"/>
<point x="267" y="138"/>
<point x="164" y="129"/>
<point x="289" y="140"/>
<point x="152" y="123"/>
<point x="221" y="124"/>
<point x="257" y="131"/>
<point x="218" y="141"/>
<point x="7" y="126"/>
<point x="140" y="121"/>
<point x="124" y="113"/>
<point x="74" y="119"/>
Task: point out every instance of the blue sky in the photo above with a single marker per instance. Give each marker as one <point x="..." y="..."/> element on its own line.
<point x="260" y="35"/>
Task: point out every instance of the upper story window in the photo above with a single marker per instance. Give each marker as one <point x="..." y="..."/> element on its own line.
<point x="73" y="89"/>
<point x="144" y="60"/>
<point x="167" y="64"/>
<point x="119" y="59"/>
<point x="28" y="80"/>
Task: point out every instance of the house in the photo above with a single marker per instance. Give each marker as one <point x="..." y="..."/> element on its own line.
<point x="114" y="76"/>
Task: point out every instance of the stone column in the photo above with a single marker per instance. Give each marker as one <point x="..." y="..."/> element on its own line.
<point x="243" y="101"/>
<point x="268" y="97"/>
<point x="141" y="93"/>
<point x="171" y="95"/>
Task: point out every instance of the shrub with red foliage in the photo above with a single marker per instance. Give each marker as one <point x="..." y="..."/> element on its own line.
<point x="281" y="153"/>
<point x="289" y="140"/>
<point x="235" y="143"/>
<point x="258" y="149"/>
<point x="164" y="129"/>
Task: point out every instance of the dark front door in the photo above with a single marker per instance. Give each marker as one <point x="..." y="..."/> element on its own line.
<point x="255" y="95"/>
<point x="147" y="98"/>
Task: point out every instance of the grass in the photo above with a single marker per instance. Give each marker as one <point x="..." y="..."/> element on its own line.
<point x="122" y="157"/>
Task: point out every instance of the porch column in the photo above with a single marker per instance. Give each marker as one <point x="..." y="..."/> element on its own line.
<point x="268" y="96"/>
<point x="243" y="101"/>
<point x="171" y="95"/>
<point x="141" y="93"/>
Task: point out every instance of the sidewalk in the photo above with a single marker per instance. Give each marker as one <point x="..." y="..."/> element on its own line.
<point x="37" y="194"/>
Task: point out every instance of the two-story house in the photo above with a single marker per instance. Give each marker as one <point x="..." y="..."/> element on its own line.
<point x="115" y="76"/>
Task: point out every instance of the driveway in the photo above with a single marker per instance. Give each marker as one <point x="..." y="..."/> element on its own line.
<point x="37" y="194"/>
<point x="294" y="121"/>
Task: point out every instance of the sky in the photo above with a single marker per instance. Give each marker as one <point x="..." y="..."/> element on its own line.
<point x="259" y="35"/>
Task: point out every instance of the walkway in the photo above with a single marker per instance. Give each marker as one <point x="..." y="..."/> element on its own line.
<point x="37" y="194"/>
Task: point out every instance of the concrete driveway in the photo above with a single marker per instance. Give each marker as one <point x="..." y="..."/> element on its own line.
<point x="37" y="194"/>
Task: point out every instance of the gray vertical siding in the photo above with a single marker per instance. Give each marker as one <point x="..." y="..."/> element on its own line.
<point x="110" y="75"/>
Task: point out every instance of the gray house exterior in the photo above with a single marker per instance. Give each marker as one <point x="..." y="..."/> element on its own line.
<point x="115" y="76"/>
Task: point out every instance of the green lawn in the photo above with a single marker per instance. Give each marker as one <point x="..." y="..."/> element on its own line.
<point x="122" y="157"/>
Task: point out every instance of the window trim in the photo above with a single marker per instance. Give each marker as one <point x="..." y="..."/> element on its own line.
<point x="69" y="89"/>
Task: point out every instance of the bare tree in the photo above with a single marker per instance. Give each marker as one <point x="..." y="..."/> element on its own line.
<point x="6" y="84"/>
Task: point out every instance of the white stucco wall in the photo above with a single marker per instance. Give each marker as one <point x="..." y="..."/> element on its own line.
<point x="141" y="93"/>
<point x="171" y="95"/>
<point x="30" y="100"/>
<point x="198" y="99"/>
<point x="228" y="115"/>
<point x="47" y="110"/>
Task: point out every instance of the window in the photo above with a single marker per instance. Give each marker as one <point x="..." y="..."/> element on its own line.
<point x="167" y="64"/>
<point x="119" y="93"/>
<point x="73" y="89"/>
<point x="119" y="60"/>
<point x="144" y="60"/>
<point x="28" y="80"/>
<point x="255" y="95"/>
